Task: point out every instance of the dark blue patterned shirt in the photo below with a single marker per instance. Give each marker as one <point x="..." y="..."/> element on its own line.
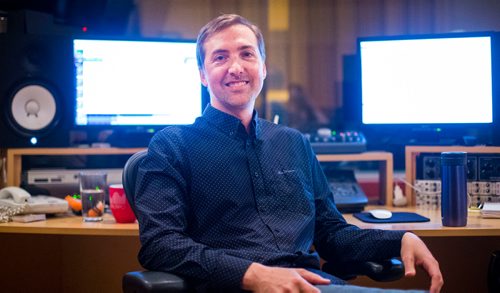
<point x="211" y="199"/>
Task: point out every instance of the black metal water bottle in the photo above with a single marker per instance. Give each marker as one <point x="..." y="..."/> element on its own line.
<point x="454" y="189"/>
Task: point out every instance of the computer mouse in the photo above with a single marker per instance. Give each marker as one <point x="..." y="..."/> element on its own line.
<point x="381" y="214"/>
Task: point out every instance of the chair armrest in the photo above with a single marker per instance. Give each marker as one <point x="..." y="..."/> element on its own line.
<point x="151" y="281"/>
<point x="381" y="271"/>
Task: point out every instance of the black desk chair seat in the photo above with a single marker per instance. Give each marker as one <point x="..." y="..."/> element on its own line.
<point x="152" y="281"/>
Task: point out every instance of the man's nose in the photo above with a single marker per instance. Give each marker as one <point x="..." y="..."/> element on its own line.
<point x="235" y="67"/>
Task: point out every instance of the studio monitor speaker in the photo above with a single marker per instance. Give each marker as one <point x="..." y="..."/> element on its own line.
<point x="351" y="92"/>
<point x="36" y="89"/>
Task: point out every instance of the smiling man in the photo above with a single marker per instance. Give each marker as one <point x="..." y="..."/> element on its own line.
<point x="234" y="202"/>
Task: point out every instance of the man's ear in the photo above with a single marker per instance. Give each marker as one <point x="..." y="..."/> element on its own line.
<point x="202" y="77"/>
<point x="264" y="71"/>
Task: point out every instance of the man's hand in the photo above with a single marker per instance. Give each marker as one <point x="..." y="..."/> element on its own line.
<point x="415" y="252"/>
<point x="260" y="278"/>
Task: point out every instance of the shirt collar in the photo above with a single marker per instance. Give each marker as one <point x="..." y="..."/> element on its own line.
<point x="231" y="125"/>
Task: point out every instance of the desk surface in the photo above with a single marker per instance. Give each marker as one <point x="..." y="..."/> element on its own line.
<point x="73" y="225"/>
<point x="476" y="225"/>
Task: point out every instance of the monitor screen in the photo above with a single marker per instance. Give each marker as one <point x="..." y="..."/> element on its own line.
<point x="136" y="82"/>
<point x="427" y="80"/>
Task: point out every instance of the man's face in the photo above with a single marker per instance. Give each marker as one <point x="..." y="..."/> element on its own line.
<point x="234" y="71"/>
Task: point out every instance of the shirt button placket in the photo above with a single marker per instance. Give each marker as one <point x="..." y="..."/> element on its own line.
<point x="257" y="180"/>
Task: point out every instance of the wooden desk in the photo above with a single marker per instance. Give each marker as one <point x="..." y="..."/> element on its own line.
<point x="476" y="225"/>
<point x="72" y="225"/>
<point x="66" y="255"/>
<point x="463" y="252"/>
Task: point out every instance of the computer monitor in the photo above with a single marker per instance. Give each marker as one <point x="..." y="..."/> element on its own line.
<point x="422" y="85"/>
<point x="136" y="84"/>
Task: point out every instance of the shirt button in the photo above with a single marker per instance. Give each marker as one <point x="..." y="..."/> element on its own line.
<point x="256" y="174"/>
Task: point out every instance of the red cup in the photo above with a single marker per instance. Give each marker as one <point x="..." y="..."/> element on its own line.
<point x="119" y="204"/>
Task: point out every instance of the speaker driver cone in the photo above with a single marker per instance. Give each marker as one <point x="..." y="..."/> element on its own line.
<point x="33" y="108"/>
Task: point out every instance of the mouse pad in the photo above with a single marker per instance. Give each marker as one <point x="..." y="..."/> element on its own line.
<point x="397" y="217"/>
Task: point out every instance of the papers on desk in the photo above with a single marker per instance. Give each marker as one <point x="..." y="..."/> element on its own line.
<point x="28" y="218"/>
<point x="491" y="210"/>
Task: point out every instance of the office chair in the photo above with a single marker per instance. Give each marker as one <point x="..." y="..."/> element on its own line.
<point x="153" y="281"/>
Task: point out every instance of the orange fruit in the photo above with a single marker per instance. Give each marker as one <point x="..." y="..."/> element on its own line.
<point x="97" y="211"/>
<point x="74" y="203"/>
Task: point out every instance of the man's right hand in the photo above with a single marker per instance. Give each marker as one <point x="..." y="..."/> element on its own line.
<point x="260" y="278"/>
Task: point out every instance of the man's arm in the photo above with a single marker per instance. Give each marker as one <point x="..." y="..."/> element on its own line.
<point x="415" y="252"/>
<point x="334" y="238"/>
<point x="337" y="240"/>
<point x="260" y="278"/>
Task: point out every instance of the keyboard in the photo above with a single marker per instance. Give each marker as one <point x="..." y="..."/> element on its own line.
<point x="326" y="141"/>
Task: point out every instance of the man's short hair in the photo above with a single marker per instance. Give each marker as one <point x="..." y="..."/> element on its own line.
<point x="220" y="23"/>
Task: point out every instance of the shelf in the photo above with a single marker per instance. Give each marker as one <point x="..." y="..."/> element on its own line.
<point x="412" y="152"/>
<point x="14" y="157"/>
<point x="14" y="162"/>
<point x="386" y="164"/>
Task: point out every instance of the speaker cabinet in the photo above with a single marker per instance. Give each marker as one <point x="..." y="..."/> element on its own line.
<point x="36" y="90"/>
<point x="351" y="92"/>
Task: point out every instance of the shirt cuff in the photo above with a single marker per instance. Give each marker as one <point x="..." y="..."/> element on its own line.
<point x="392" y="243"/>
<point x="229" y="272"/>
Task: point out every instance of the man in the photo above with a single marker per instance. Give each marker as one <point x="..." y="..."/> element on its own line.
<point x="235" y="202"/>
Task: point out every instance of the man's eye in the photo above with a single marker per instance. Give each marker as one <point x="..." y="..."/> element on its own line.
<point x="219" y="58"/>
<point x="247" y="54"/>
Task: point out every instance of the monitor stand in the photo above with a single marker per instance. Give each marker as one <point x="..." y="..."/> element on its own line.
<point x="434" y="142"/>
<point x="130" y="138"/>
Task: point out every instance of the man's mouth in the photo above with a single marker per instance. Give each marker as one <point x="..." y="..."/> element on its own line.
<point x="236" y="83"/>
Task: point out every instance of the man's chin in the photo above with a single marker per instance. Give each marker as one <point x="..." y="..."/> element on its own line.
<point x="234" y="106"/>
<point x="239" y="101"/>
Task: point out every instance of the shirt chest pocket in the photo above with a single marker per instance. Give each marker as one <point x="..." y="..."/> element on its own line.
<point x="291" y="191"/>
